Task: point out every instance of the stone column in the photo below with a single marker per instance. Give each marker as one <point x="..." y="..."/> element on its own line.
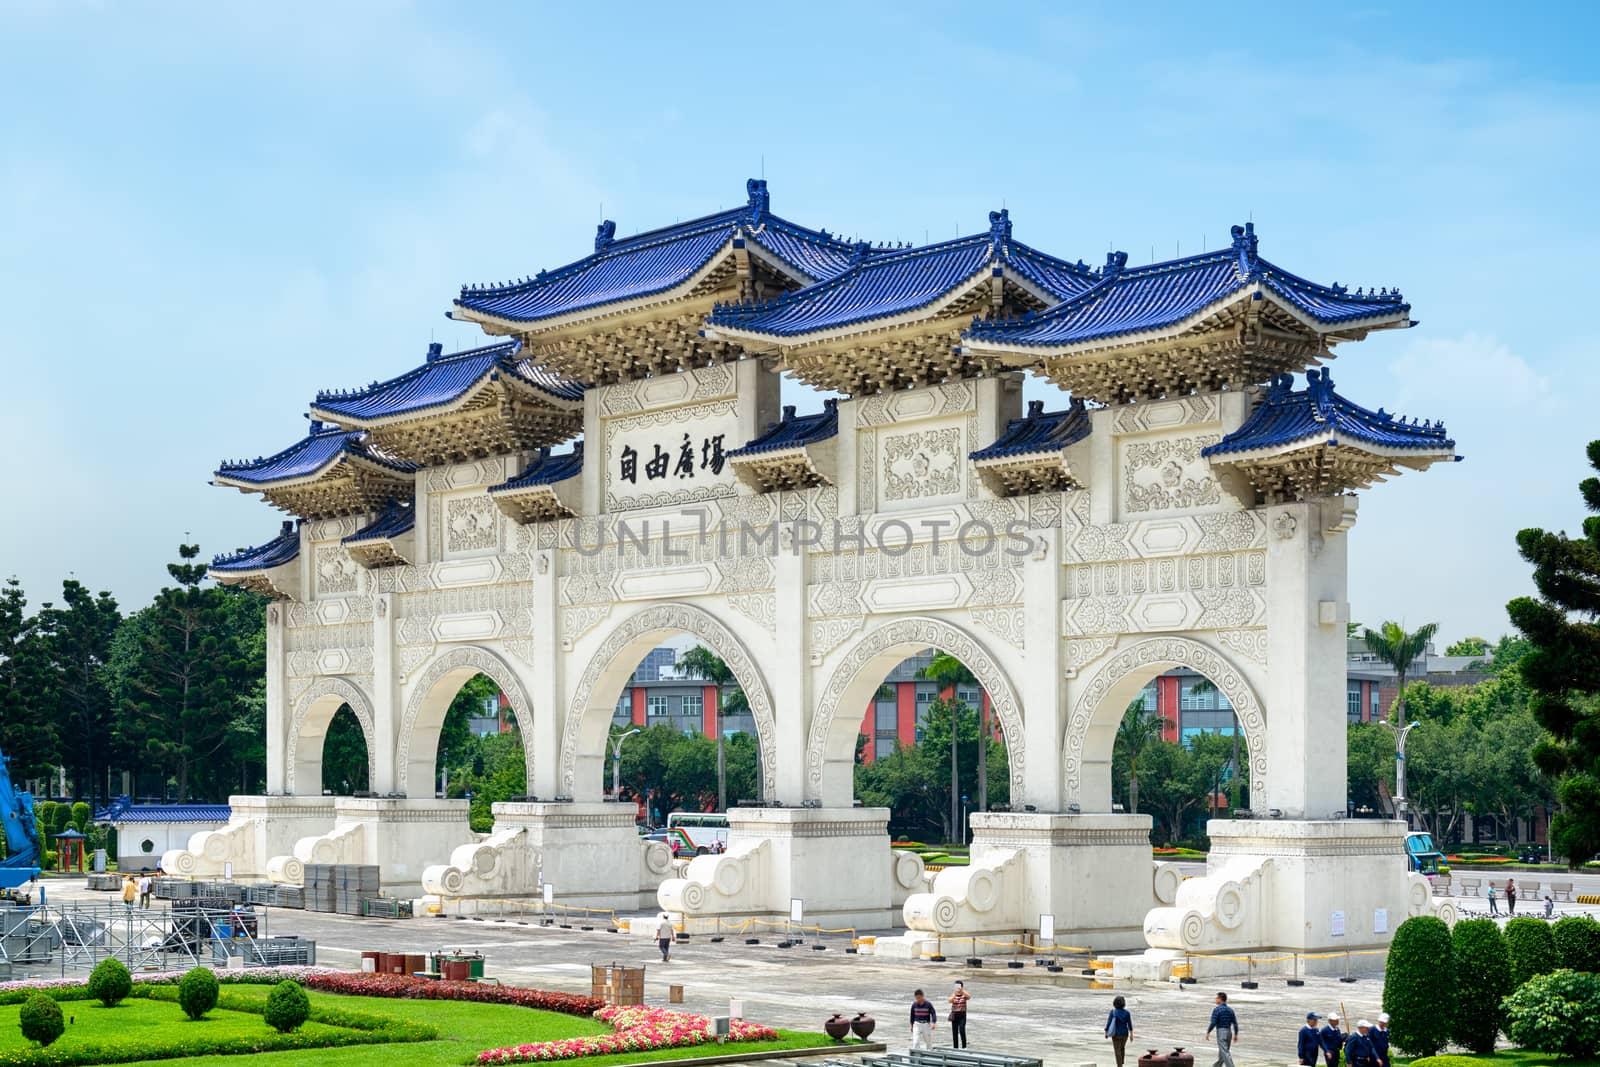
<point x="1043" y="688"/>
<point x="386" y="705"/>
<point x="277" y="702"/>
<point x="1304" y="691"/>
<point x="790" y="679"/>
<point x="545" y="687"/>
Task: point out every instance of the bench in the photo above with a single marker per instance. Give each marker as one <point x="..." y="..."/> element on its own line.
<point x="1469" y="886"/>
<point x="1441" y="885"/>
<point x="1561" y="890"/>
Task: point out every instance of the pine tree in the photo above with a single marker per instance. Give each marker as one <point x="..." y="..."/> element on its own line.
<point x="187" y="679"/>
<point x="31" y="742"/>
<point x="1563" y="667"/>
<point x="78" y="637"/>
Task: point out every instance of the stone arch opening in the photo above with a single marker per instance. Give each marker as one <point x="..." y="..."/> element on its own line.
<point x="435" y="690"/>
<point x="308" y="730"/>
<point x="1099" y="709"/>
<point x="588" y="721"/>
<point x="831" y="742"/>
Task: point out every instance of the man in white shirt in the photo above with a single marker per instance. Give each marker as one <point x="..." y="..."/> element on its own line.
<point x="144" y="890"/>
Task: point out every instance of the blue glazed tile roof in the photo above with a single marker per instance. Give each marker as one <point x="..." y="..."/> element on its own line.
<point x="395" y="519"/>
<point x="546" y="470"/>
<point x="794" y="431"/>
<point x="1039" y="431"/>
<point x="125" y="811"/>
<point x="1317" y="414"/>
<point x="657" y="261"/>
<point x="439" y="382"/>
<point x="275" y="553"/>
<point x="318" y="450"/>
<point x="1133" y="300"/>
<point x="893" y="282"/>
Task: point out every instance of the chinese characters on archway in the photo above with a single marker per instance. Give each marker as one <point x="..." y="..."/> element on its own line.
<point x="683" y="461"/>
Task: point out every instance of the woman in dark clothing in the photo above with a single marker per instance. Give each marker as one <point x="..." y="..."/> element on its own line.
<point x="1119" y="1028"/>
<point x="1511" y="896"/>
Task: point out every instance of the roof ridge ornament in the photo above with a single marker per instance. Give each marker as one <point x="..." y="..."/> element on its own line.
<point x="1115" y="263"/>
<point x="1000" y="226"/>
<point x="859" y="250"/>
<point x="760" y="202"/>
<point x="604" y="235"/>
<point x="1244" y="246"/>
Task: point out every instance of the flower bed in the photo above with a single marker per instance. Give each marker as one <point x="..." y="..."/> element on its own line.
<point x="406" y="987"/>
<point x="633" y="1030"/>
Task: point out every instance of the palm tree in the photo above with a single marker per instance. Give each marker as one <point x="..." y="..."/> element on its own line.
<point x="947" y="672"/>
<point x="1137" y="731"/>
<point x="701" y="662"/>
<point x="1391" y="644"/>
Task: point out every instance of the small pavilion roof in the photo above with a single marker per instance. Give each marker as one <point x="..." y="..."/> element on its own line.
<point x="1039" y="431"/>
<point x="886" y="284"/>
<point x="546" y="469"/>
<point x="1290" y="418"/>
<point x="275" y="553"/>
<point x="1164" y="296"/>
<point x="309" y="457"/>
<point x="397" y="517"/>
<point x="657" y="262"/>
<point x="441" y="381"/>
<point x="793" y="431"/>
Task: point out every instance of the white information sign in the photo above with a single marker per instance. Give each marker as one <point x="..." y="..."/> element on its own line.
<point x="1380" y="921"/>
<point x="797" y="910"/>
<point x="1336" y="924"/>
<point x="1047" y="927"/>
<point x="549" y="893"/>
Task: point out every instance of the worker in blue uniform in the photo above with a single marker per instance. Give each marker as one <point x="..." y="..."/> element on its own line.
<point x="1309" y="1044"/>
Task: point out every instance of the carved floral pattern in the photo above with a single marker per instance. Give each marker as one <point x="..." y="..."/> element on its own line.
<point x="925" y="463"/>
<point x="1162" y="475"/>
<point x="472" y="524"/>
<point x="336" y="571"/>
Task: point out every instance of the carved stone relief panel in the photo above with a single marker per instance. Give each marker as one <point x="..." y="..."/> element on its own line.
<point x="920" y="465"/>
<point x="336" y="572"/>
<point x="472" y="525"/>
<point x="1168" y="474"/>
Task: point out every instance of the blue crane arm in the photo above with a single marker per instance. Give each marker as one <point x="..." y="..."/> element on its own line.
<point x="16" y="813"/>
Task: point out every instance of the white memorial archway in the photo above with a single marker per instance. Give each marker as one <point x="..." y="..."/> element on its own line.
<point x="308" y="730"/>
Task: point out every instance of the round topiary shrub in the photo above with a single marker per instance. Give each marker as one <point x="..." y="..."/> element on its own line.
<point x="1553" y="1013"/>
<point x="110" y="982"/>
<point x="1533" y="950"/>
<point x="41" y="1019"/>
<point x="1483" y="980"/>
<point x="1577" y="942"/>
<point x="1419" y="986"/>
<point x="287" y="1007"/>
<point x="197" y="992"/>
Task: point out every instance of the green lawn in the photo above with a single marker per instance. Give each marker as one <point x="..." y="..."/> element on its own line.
<point x="466" y="1030"/>
<point x="1505" y="1058"/>
<point x="145" y="1024"/>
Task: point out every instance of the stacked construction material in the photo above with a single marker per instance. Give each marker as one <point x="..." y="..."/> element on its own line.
<point x="354" y="884"/>
<point x="319" y="892"/>
<point x="284" y="952"/>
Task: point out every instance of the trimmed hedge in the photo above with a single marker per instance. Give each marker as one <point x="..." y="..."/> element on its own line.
<point x="1577" y="943"/>
<point x="1483" y="980"/>
<point x="1533" y="950"/>
<point x="1553" y="1013"/>
<point x="197" y="992"/>
<point x="1419" y="986"/>
<point x="110" y="982"/>
<point x="288" y="1007"/>
<point x="41" y="1020"/>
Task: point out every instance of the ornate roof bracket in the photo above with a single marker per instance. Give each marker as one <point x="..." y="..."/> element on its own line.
<point x="272" y="569"/>
<point x="797" y="452"/>
<point x="1033" y="454"/>
<point x="389" y="540"/>
<point x="549" y="488"/>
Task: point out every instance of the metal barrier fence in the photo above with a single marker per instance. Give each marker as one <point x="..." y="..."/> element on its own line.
<point x="44" y="938"/>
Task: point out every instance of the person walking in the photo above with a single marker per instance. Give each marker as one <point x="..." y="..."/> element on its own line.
<point x="664" y="937"/>
<point x="1494" y="906"/>
<point x="1358" y="1050"/>
<point x="1549" y="906"/>
<point x="144" y="890"/>
<point x="130" y="890"/>
<point x="1119" y="1028"/>
<point x="1511" y="896"/>
<point x="1309" y="1044"/>
<point x="1332" y="1041"/>
<point x="923" y="1020"/>
<point x="1380" y="1039"/>
<point x="958" y="1015"/>
<point x="1226" y="1025"/>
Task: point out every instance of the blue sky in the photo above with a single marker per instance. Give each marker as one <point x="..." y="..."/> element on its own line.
<point x="207" y="212"/>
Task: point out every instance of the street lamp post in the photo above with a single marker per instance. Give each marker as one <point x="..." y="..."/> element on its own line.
<point x="616" y="762"/>
<point x="1400" y="733"/>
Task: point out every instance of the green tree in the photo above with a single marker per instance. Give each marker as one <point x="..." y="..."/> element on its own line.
<point x="1369" y="755"/>
<point x="947" y="672"/>
<point x="1532" y="948"/>
<point x="1138" y="730"/>
<point x="701" y="662"/>
<point x="453" y="760"/>
<point x="1483" y="974"/>
<point x="186" y="672"/>
<point x="1180" y="778"/>
<point x="1563" y="667"/>
<point x="78" y="638"/>
<point x="26" y="696"/>
<point x="1468" y="646"/>
<point x="1419" y="986"/>
<point x="1400" y="650"/>
<point x="1577" y="942"/>
<point x="344" y="755"/>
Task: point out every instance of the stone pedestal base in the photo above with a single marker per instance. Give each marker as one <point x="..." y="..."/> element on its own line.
<point x="399" y="835"/>
<point x="837" y="861"/>
<point x="1093" y="873"/>
<point x="258" y="829"/>
<point x="1294" y="886"/>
